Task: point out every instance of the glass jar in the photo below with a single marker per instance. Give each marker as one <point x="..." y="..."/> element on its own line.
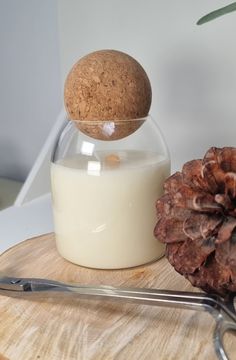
<point x="104" y="193"/>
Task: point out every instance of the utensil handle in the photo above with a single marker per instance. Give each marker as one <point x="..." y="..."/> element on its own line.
<point x="222" y="326"/>
<point x="166" y="298"/>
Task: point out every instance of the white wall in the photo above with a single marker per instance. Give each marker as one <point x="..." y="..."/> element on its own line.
<point x="30" y="90"/>
<point x="192" y="68"/>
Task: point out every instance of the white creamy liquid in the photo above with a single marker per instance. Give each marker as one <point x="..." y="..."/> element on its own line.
<point x="105" y="215"/>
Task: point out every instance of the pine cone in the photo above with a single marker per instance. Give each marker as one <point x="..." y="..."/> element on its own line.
<point x="197" y="221"/>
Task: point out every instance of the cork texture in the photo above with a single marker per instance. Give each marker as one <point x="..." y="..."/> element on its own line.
<point x="107" y="85"/>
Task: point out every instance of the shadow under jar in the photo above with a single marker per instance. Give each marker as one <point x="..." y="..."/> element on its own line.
<point x="104" y="193"/>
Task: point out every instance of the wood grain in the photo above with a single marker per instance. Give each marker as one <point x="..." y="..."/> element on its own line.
<point x="91" y="329"/>
<point x="3" y="357"/>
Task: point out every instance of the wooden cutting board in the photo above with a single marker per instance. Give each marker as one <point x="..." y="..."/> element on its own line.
<point x="91" y="329"/>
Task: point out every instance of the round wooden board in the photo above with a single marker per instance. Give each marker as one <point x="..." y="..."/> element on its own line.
<point x="90" y="329"/>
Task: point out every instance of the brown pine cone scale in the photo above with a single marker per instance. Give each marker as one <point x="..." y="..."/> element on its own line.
<point x="196" y="219"/>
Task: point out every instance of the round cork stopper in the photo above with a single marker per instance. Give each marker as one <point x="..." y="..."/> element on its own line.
<point x="106" y="86"/>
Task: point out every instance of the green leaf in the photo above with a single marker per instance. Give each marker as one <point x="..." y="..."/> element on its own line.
<point x="217" y="13"/>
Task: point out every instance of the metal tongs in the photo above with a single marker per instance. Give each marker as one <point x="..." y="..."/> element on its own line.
<point x="222" y="310"/>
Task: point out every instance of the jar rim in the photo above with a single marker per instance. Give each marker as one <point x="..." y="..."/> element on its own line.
<point x="109" y="121"/>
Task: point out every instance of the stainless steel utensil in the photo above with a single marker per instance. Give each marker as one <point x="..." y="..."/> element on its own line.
<point x="222" y="310"/>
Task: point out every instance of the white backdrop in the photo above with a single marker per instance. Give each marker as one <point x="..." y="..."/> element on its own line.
<point x="192" y="69"/>
<point x="30" y="92"/>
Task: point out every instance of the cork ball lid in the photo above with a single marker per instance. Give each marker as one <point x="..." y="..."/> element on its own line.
<point x="107" y="86"/>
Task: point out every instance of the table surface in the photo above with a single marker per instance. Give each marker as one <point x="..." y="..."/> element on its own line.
<point x="92" y="329"/>
<point x="30" y="220"/>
